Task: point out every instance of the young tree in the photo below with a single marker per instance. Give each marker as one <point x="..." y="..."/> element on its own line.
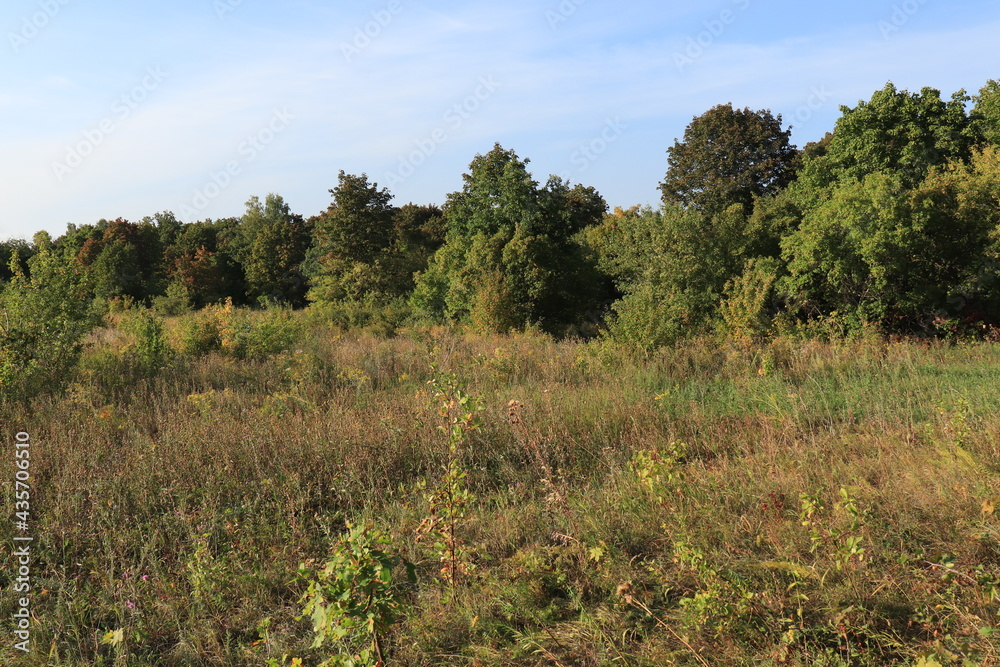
<point x="729" y="156"/>
<point x="8" y="250"/>
<point x="672" y="267"/>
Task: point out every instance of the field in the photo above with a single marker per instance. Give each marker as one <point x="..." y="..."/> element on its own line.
<point x="787" y="502"/>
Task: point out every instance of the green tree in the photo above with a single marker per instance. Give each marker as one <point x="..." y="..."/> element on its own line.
<point x="985" y="116"/>
<point x="203" y="262"/>
<point x="511" y="259"/>
<point x="168" y="227"/>
<point x="353" y="239"/>
<point x="418" y="233"/>
<point x="125" y="258"/>
<point x="895" y="132"/>
<point x="18" y="248"/>
<point x="420" y="226"/>
<point x="878" y="251"/>
<point x="276" y="243"/>
<point x="672" y="267"/>
<point x="729" y="156"/>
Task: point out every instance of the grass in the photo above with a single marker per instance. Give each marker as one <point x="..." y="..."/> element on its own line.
<point x="724" y="503"/>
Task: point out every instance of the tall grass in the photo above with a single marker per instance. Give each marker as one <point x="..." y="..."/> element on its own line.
<point x="719" y="502"/>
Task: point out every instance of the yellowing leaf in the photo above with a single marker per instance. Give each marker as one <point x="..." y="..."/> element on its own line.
<point x="113" y="637"/>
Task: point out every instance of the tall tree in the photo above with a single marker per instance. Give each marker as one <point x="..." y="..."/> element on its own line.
<point x="510" y="259"/>
<point x="203" y="262"/>
<point x="895" y="132"/>
<point x="276" y="244"/>
<point x="729" y="156"/>
<point x="879" y="251"/>
<point x="352" y="242"/>
<point x="125" y="259"/>
<point x="985" y="116"/>
<point x="419" y="232"/>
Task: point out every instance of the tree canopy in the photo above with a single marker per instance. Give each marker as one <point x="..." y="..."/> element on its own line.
<point x="729" y="156"/>
<point x="889" y="221"/>
<point x="510" y="259"/>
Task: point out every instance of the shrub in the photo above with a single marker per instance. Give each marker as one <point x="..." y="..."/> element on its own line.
<point x="355" y="598"/>
<point x="46" y="312"/>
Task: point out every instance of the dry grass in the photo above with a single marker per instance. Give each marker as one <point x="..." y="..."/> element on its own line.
<point x="177" y="505"/>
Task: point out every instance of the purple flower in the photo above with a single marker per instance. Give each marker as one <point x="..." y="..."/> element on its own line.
<point x="129" y="604"/>
<point x="145" y="577"/>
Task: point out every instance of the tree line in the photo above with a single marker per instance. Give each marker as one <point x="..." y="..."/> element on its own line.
<point x="892" y="220"/>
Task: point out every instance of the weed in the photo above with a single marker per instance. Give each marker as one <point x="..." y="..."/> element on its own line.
<point x="355" y="598"/>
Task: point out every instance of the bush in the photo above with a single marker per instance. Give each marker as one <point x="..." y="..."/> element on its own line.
<point x="45" y="315"/>
<point x="149" y="350"/>
<point x="200" y="333"/>
<point x="257" y="334"/>
<point x="379" y="319"/>
<point x="176" y="301"/>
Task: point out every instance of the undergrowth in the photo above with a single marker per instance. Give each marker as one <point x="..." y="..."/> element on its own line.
<point x="557" y="502"/>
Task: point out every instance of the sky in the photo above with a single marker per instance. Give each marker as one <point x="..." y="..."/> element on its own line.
<point x="126" y="109"/>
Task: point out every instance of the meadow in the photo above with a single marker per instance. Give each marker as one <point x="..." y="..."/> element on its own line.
<point x="203" y="481"/>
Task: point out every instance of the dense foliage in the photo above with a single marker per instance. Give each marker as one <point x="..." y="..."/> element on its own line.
<point x="510" y="259"/>
<point x="729" y="156"/>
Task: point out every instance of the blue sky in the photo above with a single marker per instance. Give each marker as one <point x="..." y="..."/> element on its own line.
<point x="119" y="109"/>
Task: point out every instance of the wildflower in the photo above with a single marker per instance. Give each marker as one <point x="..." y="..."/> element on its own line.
<point x="129" y="604"/>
